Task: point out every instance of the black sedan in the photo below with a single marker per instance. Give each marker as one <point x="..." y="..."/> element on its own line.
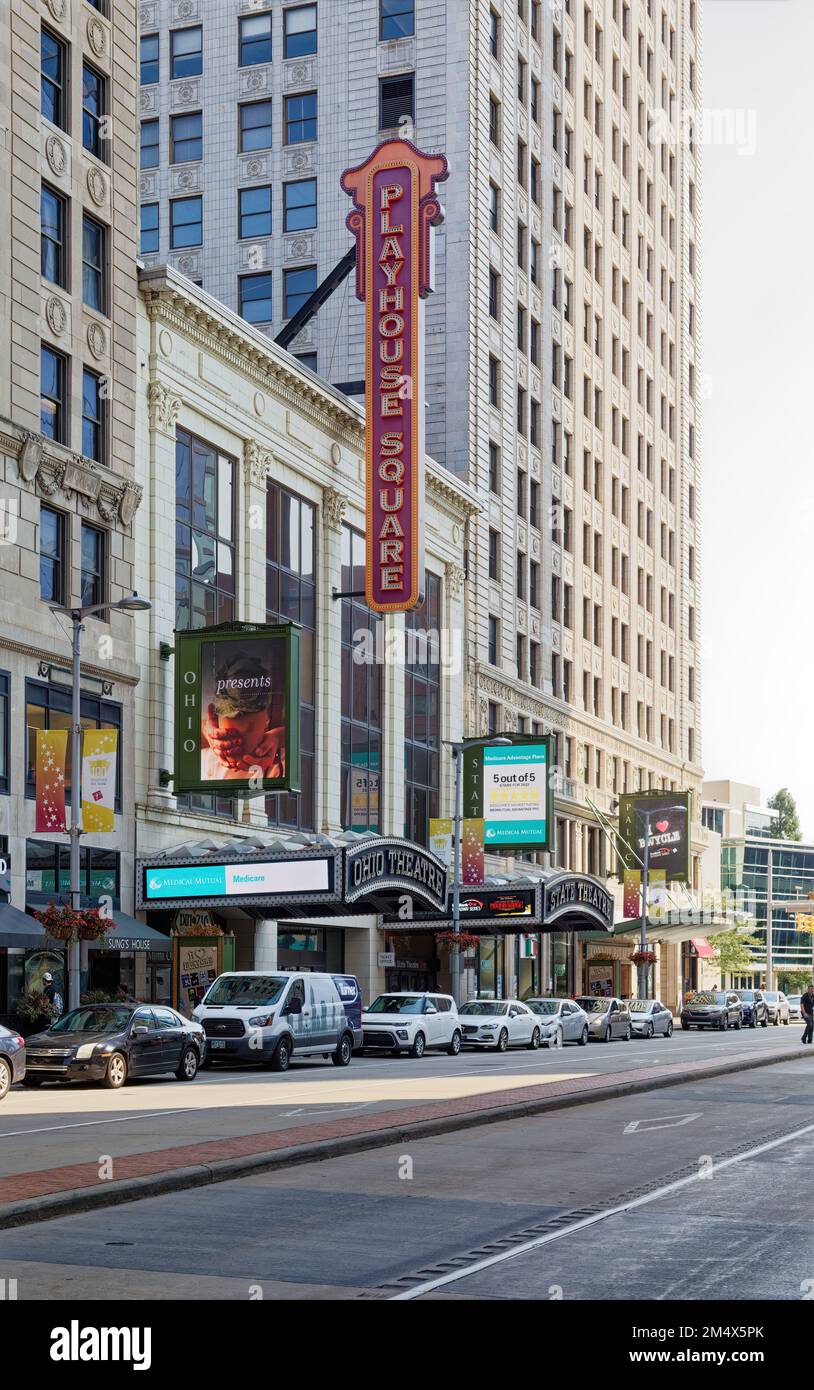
<point x="12" y="1060"/>
<point x="755" y="1008"/>
<point x="713" y="1009"/>
<point x="112" y="1043"/>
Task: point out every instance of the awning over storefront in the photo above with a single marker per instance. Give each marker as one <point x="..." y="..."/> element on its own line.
<point x="556" y="901"/>
<point x="701" y="947"/>
<point x="19" y="930"/>
<point x="128" y="934"/>
<point x="679" y="926"/>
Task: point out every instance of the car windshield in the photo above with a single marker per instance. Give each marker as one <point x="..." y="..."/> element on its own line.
<point x="486" y="1008"/>
<point x="397" y="1004"/>
<point x="544" y="1006"/>
<point x="747" y="995"/>
<point x="594" y="1005"/>
<point x="247" y="989"/>
<point x="100" y="1019"/>
<point x="708" y="997"/>
<point x="640" y="1006"/>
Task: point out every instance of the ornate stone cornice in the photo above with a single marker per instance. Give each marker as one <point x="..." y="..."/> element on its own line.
<point x="163" y="406"/>
<point x="257" y="463"/>
<point x="458" y="500"/>
<point x="334" y="506"/>
<point x="51" y="470"/>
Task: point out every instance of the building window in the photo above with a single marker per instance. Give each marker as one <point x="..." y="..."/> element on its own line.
<point x="254" y="292"/>
<point x="47" y="865"/>
<point x="149" y="228"/>
<point x="53" y="392"/>
<point x="254" y="40"/>
<point x="299" y="205"/>
<point x="494" y="554"/>
<point x="148" y="59"/>
<point x="299" y="31"/>
<point x="494" y="34"/>
<point x="361" y="696"/>
<point x="494" y="467"/>
<point x="308" y="359"/>
<point x="301" y="118"/>
<point x="186" y="138"/>
<point x="204" y="534"/>
<point x="94" y="110"/>
<point x="494" y="293"/>
<point x="149" y="146"/>
<point x="494" y="382"/>
<point x="291" y="597"/>
<point x="53" y="70"/>
<point x="494" y="641"/>
<point x="397" y="19"/>
<point x="254" y="211"/>
<point x="92" y="573"/>
<point x="396" y="99"/>
<point x="298" y="286"/>
<point x="49" y="707"/>
<point x="93" y="416"/>
<point x="186" y="52"/>
<point x="5" y="749"/>
<point x="186" y="222"/>
<point x="52" y="556"/>
<point x="255" y="126"/>
<point x="422" y="713"/>
<point x="94" y="268"/>
<point x="53" y="223"/>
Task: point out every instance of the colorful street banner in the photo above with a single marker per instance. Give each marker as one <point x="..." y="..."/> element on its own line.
<point x="509" y="786"/>
<point x="52" y="750"/>
<point x="395" y="206"/>
<point x="669" y="839"/>
<point x="657" y="896"/>
<point x="441" y="839"/>
<point x="99" y="749"/>
<point x="632" y="893"/>
<point x="472" y="865"/>
<point x="237" y="698"/>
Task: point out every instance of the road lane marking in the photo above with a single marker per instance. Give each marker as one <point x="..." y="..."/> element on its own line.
<point x="669" y="1188"/>
<point x="115" y="1120"/>
<point x="666" y="1122"/>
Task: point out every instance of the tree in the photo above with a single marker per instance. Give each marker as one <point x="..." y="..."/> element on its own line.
<point x="786" y="824"/>
<point x="795" y="981"/>
<point x="732" y="954"/>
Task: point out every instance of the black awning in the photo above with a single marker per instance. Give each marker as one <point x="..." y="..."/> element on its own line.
<point x="18" y="929"/>
<point x="129" y="934"/>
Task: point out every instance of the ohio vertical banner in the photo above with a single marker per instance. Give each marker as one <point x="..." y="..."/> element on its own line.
<point x="52" y="748"/>
<point x="395" y="206"/>
<point x="99" y="748"/>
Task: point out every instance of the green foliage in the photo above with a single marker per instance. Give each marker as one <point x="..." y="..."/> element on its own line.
<point x="795" y="981"/>
<point x="786" y="824"/>
<point x="732" y="954"/>
<point x="33" y="1005"/>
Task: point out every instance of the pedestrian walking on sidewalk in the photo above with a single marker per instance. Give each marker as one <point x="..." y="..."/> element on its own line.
<point x="807" y="1009"/>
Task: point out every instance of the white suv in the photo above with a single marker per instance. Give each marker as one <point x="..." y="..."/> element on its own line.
<point x="412" y="1023"/>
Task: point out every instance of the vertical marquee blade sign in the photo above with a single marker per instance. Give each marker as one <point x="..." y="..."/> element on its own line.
<point x="395" y="206"/>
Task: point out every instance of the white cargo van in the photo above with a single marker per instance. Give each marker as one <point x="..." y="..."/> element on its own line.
<point x="268" y="1015"/>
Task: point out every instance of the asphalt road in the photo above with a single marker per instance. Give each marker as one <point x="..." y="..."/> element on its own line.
<point x="393" y="1222"/>
<point x="63" y="1124"/>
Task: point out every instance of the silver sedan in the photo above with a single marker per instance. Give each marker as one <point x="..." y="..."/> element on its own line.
<point x="607" y="1018"/>
<point x="650" y="1016"/>
<point x="561" y="1021"/>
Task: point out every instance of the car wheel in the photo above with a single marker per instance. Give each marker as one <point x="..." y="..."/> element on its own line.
<point x="607" y="1036"/>
<point x="190" y="1062"/>
<point x="787" y="1021"/>
<point x="685" y="1026"/>
<point x="5" y="1078"/>
<point x="115" y="1072"/>
<point x="669" y="1032"/>
<point x="738" y="1024"/>
<point x="341" y="1057"/>
<point x="629" y="1034"/>
<point x="502" y="1042"/>
<point x="583" y="1037"/>
<point x="281" y="1055"/>
<point x="535" y="1040"/>
<point x="649" y="1031"/>
<point x="419" y="1045"/>
<point x="455" y="1044"/>
<point x="724" y="1023"/>
<point x="765" y="1021"/>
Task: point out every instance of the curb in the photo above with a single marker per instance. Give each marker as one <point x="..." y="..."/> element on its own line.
<point x="50" y="1207"/>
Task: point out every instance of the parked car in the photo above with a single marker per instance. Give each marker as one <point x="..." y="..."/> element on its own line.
<point x="12" y="1060"/>
<point x="650" y="1016"/>
<point x="755" y="1008"/>
<point x="778" y="1006"/>
<point x="499" y="1024"/>
<point x="258" y="1016"/>
<point x="114" y="1043"/>
<point x="712" y="1009"/>
<point x="412" y="1022"/>
<point x="561" y="1021"/>
<point x="607" y="1018"/>
<point x="795" y="1009"/>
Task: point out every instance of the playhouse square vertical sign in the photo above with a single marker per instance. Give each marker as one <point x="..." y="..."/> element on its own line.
<point x="395" y="208"/>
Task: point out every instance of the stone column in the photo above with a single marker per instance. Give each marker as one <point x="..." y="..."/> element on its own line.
<point x="155" y="724"/>
<point x="452" y="677"/>
<point x="265" y="944"/>
<point x="251" y="534"/>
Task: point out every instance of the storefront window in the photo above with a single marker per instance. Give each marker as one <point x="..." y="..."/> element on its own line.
<point x="361" y="695"/>
<point x="291" y="597"/>
<point x="422" y="713"/>
<point x="528" y="966"/>
<point x="48" y="873"/>
<point x="559" y="965"/>
<point x="490" y="968"/>
<point x="49" y="707"/>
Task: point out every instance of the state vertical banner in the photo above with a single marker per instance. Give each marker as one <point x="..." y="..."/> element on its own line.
<point x="99" y="749"/>
<point x="472" y="862"/>
<point x="52" y="749"/>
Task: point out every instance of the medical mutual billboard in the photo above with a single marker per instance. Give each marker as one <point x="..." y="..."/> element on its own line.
<point x="509" y="787"/>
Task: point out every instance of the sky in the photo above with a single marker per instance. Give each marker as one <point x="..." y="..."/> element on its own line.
<point x="757" y="330"/>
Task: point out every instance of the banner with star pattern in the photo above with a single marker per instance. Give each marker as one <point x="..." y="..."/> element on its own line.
<point x="52" y="748"/>
<point x="98" y="779"/>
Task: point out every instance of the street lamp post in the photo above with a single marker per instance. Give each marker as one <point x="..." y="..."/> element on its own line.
<point x="132" y="603"/>
<point x="458" y="750"/>
<point x="646" y="813"/>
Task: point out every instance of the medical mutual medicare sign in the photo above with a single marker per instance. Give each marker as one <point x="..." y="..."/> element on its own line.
<point x="395" y="207"/>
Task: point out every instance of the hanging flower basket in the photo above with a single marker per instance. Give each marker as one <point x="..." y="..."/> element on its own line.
<point x="464" y="940"/>
<point x="643" y="958"/>
<point x="63" y="924"/>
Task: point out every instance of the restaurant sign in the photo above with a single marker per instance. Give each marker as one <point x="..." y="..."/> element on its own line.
<point x="395" y="207"/>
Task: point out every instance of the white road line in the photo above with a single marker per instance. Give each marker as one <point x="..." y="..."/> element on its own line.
<point x="116" y="1120"/>
<point x="587" y="1221"/>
